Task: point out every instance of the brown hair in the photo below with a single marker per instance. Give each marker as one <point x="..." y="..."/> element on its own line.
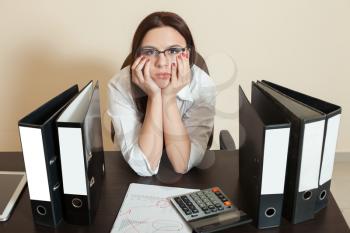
<point x="155" y="20"/>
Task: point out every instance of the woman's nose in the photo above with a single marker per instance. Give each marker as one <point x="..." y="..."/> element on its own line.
<point x="161" y="60"/>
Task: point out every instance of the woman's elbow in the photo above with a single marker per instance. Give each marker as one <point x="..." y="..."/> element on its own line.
<point x="145" y="174"/>
<point x="181" y="169"/>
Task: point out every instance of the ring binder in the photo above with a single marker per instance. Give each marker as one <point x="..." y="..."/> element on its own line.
<point x="38" y="134"/>
<point x="82" y="156"/>
<point x="262" y="159"/>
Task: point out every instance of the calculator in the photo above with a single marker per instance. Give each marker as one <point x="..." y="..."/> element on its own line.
<point x="209" y="210"/>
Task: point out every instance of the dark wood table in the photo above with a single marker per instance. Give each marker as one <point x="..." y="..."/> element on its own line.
<point x="219" y="169"/>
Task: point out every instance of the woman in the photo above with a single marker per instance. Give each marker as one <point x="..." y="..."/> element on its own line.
<point x="162" y="100"/>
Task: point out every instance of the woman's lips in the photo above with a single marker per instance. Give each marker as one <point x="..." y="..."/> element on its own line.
<point x="163" y="75"/>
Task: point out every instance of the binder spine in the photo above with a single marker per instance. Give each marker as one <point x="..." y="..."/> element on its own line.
<point x="74" y="176"/>
<point x="273" y="177"/>
<point x="43" y="179"/>
<point x="329" y="147"/>
<point x="305" y="194"/>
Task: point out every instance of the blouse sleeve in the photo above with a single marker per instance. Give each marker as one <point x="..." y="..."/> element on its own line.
<point x="199" y="121"/>
<point x="127" y="127"/>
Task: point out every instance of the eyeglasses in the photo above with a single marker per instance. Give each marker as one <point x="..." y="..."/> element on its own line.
<point x="169" y="53"/>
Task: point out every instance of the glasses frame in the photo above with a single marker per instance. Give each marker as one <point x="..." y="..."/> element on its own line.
<point x="158" y="52"/>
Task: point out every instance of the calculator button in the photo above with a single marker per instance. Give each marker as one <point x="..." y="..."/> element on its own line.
<point x="218" y="205"/>
<point x="182" y="205"/>
<point x="211" y="207"/>
<point x="213" y="210"/>
<point x="184" y="198"/>
<point x="207" y="211"/>
<point x="200" y="203"/>
<point x="220" y="208"/>
<point x="228" y="203"/>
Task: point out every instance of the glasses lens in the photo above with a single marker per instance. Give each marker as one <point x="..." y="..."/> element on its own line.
<point x="174" y="51"/>
<point x="148" y="52"/>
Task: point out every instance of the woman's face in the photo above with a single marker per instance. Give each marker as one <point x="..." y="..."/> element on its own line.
<point x="161" y="39"/>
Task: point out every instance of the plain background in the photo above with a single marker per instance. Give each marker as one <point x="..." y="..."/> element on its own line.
<point x="47" y="46"/>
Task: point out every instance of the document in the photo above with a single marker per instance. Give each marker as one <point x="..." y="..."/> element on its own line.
<point x="146" y="208"/>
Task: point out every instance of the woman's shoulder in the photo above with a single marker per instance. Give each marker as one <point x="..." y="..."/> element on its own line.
<point x="119" y="85"/>
<point x="121" y="80"/>
<point x="202" y="82"/>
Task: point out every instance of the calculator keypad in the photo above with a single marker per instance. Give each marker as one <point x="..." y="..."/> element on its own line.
<point x="202" y="203"/>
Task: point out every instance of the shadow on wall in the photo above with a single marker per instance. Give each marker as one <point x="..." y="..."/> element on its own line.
<point x="41" y="74"/>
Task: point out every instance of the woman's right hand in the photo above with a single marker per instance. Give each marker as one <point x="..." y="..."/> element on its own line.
<point x="141" y="76"/>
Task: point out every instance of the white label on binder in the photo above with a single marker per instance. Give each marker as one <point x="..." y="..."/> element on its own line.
<point x="72" y="161"/>
<point x="34" y="160"/>
<point x="275" y="160"/>
<point x="311" y="155"/>
<point x="329" y="149"/>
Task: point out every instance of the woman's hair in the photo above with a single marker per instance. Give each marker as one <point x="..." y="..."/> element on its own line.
<point x="156" y="20"/>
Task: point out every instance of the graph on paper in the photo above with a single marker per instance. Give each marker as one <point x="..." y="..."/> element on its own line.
<point x="146" y="209"/>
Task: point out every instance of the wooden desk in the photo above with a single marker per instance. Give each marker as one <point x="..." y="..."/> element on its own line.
<point x="220" y="169"/>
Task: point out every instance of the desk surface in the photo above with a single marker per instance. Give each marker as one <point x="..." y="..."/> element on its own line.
<point x="219" y="169"/>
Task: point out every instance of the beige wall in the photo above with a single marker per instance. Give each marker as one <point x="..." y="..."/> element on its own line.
<point x="47" y="46"/>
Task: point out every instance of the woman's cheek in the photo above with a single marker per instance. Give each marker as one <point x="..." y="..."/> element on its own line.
<point x="152" y="71"/>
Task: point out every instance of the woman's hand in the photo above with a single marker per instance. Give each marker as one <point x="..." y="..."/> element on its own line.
<point x="141" y="76"/>
<point x="180" y="76"/>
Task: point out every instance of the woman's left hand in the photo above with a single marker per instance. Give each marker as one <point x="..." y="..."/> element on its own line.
<point x="180" y="76"/>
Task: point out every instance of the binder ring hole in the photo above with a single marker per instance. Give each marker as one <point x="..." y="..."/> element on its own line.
<point x="41" y="210"/>
<point x="77" y="203"/>
<point x="307" y="195"/>
<point x="270" y="212"/>
<point x="323" y="195"/>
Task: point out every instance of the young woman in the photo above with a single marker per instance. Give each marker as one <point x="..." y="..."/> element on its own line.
<point x="162" y="100"/>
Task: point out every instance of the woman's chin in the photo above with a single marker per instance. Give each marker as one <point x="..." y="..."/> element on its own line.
<point x="162" y="83"/>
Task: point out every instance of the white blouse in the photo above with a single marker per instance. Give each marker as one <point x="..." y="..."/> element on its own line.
<point x="196" y="102"/>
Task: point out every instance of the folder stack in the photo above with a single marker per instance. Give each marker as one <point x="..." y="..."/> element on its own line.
<point x="333" y="114"/>
<point x="51" y="154"/>
<point x="314" y="127"/>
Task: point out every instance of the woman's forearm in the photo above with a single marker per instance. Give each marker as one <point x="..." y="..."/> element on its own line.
<point x="151" y="134"/>
<point x="176" y="139"/>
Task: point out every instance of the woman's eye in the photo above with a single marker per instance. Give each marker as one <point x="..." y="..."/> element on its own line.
<point x="174" y="50"/>
<point x="148" y="52"/>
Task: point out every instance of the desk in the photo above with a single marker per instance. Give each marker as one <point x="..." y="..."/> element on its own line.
<point x="220" y="169"/>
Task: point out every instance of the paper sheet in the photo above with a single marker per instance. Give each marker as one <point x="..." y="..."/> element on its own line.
<point x="146" y="209"/>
